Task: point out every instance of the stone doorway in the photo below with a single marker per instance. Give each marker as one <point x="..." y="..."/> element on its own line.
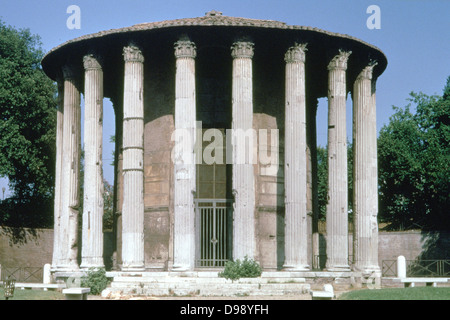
<point x="213" y="208"/>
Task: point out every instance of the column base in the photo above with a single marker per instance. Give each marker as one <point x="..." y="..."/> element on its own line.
<point x="87" y="266"/>
<point x="304" y="267"/>
<point x="338" y="268"/>
<point x="131" y="268"/>
<point x="181" y="268"/>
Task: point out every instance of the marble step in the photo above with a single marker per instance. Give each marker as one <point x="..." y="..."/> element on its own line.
<point x="167" y="285"/>
<point x="216" y="286"/>
<point x="205" y="289"/>
<point x="216" y="280"/>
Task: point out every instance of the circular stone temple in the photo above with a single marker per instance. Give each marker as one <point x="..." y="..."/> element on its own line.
<point x="216" y="155"/>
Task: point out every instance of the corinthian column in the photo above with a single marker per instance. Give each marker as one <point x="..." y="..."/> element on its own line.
<point x="184" y="162"/>
<point x="92" y="244"/>
<point x="242" y="129"/>
<point x="296" y="235"/>
<point x="57" y="252"/>
<point x="70" y="170"/>
<point x="133" y="161"/>
<point x="337" y="206"/>
<point x="365" y="189"/>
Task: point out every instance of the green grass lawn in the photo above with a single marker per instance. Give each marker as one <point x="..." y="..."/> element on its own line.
<point x="20" y="294"/>
<point x="416" y="293"/>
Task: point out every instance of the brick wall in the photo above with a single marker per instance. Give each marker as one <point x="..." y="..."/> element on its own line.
<point x="25" y="247"/>
<point x="33" y="247"/>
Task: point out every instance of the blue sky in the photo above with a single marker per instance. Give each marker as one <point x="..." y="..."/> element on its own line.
<point x="414" y="35"/>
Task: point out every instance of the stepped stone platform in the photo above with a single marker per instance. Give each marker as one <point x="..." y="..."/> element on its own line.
<point x="206" y="283"/>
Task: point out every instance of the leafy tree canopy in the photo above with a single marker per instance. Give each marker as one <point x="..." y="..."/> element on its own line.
<point x="27" y="128"/>
<point x="414" y="160"/>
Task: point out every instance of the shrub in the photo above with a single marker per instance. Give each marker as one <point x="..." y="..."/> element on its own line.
<point x="247" y="268"/>
<point x="96" y="280"/>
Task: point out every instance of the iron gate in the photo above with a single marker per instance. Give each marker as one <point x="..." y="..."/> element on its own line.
<point x="213" y="235"/>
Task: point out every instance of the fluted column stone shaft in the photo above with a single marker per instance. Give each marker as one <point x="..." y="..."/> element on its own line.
<point x="242" y="128"/>
<point x="57" y="252"/>
<point x="133" y="161"/>
<point x="365" y="197"/>
<point x="70" y="170"/>
<point x="337" y="206"/>
<point x="184" y="161"/>
<point x="92" y="236"/>
<point x="295" y="175"/>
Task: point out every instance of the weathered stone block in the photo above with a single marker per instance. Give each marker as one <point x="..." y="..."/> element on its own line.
<point x="151" y="200"/>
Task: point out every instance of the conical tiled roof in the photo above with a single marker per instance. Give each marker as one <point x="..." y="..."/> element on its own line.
<point x="211" y="18"/>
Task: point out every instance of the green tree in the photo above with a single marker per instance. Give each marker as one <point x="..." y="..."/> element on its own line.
<point x="322" y="181"/>
<point x="108" y="201"/>
<point x="27" y="130"/>
<point x="414" y="159"/>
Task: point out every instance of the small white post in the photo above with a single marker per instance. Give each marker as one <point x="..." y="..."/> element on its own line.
<point x="401" y="267"/>
<point x="47" y="278"/>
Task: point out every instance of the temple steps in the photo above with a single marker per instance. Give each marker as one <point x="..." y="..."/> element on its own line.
<point x="205" y="284"/>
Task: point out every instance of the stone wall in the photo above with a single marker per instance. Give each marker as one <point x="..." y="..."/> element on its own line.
<point x="157" y="192"/>
<point x="25" y="247"/>
<point x="269" y="195"/>
<point x="410" y="244"/>
<point x="414" y="245"/>
<point x="22" y="247"/>
<point x="33" y="247"/>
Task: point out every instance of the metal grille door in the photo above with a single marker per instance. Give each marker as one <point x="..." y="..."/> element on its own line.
<point x="213" y="220"/>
